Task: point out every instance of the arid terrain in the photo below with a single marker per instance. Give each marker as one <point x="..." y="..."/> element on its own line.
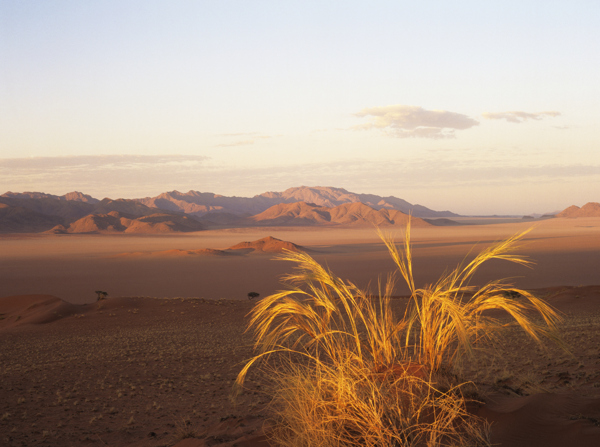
<point x="153" y="364"/>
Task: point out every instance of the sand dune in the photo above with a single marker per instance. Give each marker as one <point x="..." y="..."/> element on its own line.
<point x="543" y="420"/>
<point x="268" y="244"/>
<point x="33" y="309"/>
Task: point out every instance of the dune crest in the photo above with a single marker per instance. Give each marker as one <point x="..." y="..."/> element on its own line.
<point x="33" y="309"/>
<point x="267" y="244"/>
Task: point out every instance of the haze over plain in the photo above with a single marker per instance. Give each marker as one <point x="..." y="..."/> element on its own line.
<point x="479" y="108"/>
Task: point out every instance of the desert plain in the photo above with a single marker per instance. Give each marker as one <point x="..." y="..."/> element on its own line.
<point x="154" y="363"/>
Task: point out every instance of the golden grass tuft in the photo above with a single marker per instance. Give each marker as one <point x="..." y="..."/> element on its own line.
<point x="346" y="371"/>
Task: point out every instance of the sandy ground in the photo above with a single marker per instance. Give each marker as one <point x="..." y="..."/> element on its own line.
<point x="158" y="371"/>
<point x="566" y="252"/>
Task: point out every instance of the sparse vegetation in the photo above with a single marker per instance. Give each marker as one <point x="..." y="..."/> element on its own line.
<point x="348" y="372"/>
<point x="101" y="295"/>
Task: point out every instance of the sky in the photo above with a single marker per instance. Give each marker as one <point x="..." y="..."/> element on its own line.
<point x="477" y="107"/>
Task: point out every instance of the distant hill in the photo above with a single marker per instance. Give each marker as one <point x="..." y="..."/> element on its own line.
<point x="590" y="209"/>
<point x="348" y="214"/>
<point x="93" y="223"/>
<point x="115" y="222"/>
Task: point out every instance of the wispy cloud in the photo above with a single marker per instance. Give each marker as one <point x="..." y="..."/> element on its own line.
<point x="116" y="175"/>
<point x="403" y="121"/>
<point x="98" y="162"/>
<point x="519" y="117"/>
<point x="243" y="142"/>
<point x="238" y="134"/>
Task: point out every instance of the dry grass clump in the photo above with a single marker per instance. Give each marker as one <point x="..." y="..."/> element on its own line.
<point x="346" y="371"/>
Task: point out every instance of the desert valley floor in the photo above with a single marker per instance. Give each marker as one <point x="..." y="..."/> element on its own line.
<point x="153" y="365"/>
<point x="72" y="267"/>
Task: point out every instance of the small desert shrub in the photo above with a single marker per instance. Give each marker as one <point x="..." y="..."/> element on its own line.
<point x="347" y="372"/>
<point x="184" y="429"/>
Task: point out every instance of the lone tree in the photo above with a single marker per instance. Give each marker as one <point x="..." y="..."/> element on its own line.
<point x="101" y="295"/>
<point x="253" y="295"/>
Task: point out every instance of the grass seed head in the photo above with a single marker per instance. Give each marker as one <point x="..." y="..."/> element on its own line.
<point x="346" y="371"/>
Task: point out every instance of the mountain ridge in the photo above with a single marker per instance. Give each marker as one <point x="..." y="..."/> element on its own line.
<point x="33" y="212"/>
<point x="199" y="203"/>
<point x="347" y="214"/>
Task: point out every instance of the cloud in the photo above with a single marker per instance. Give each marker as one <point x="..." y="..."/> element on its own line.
<point x="99" y="175"/>
<point x="404" y="121"/>
<point x="237" y="134"/>
<point x="518" y="117"/>
<point x="97" y="162"/>
<point x="243" y="142"/>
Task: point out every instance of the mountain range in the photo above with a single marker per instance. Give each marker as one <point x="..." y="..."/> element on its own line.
<point x="75" y="212"/>
<point x="199" y="203"/>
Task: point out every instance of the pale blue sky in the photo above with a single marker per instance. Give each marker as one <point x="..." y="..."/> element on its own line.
<point x="133" y="98"/>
